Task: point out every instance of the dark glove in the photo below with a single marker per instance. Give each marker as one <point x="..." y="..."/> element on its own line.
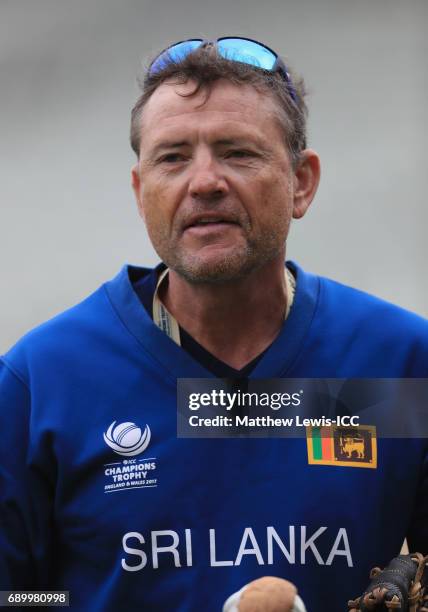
<point x="402" y="586"/>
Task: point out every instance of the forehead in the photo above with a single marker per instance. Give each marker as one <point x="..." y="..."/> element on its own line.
<point x="240" y="107"/>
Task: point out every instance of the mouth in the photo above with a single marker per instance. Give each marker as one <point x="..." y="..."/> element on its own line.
<point x="205" y="223"/>
<point x="210" y="230"/>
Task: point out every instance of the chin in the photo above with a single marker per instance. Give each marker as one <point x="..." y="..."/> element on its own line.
<point x="224" y="269"/>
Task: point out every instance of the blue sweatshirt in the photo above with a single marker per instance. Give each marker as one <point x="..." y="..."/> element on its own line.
<point x="98" y="496"/>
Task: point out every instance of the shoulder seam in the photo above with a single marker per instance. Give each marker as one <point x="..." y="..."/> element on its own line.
<point x="15" y="372"/>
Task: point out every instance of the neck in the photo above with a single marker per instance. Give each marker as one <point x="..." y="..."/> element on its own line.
<point x="234" y="321"/>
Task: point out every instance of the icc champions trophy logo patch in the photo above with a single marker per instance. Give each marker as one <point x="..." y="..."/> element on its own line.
<point x="128" y="440"/>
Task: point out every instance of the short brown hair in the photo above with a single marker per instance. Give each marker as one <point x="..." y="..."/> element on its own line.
<point x="205" y="66"/>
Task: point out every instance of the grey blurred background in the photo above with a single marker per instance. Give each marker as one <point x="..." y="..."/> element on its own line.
<point x="68" y="219"/>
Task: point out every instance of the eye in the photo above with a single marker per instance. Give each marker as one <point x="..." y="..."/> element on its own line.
<point x="239" y="153"/>
<point x="171" y="158"/>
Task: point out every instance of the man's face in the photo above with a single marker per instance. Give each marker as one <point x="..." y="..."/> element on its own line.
<point x="214" y="181"/>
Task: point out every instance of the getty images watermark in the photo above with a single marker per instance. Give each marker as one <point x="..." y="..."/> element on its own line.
<point x="241" y="402"/>
<point x="207" y="408"/>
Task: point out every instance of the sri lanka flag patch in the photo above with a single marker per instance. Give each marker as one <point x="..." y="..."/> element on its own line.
<point x="342" y="446"/>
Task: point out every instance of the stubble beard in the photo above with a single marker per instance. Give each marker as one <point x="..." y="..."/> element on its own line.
<point x="232" y="265"/>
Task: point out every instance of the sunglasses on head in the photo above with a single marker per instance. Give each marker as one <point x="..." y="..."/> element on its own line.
<point x="236" y="49"/>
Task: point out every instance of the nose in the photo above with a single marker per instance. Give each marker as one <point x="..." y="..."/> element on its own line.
<point x="207" y="180"/>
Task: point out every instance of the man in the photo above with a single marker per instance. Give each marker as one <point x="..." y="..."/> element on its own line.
<point x="99" y="496"/>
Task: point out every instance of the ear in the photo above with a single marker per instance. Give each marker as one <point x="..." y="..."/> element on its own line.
<point x="306" y="180"/>
<point x="137" y="187"/>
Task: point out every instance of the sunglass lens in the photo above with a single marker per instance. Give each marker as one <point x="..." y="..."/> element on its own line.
<point x="247" y="52"/>
<point x="174" y="54"/>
